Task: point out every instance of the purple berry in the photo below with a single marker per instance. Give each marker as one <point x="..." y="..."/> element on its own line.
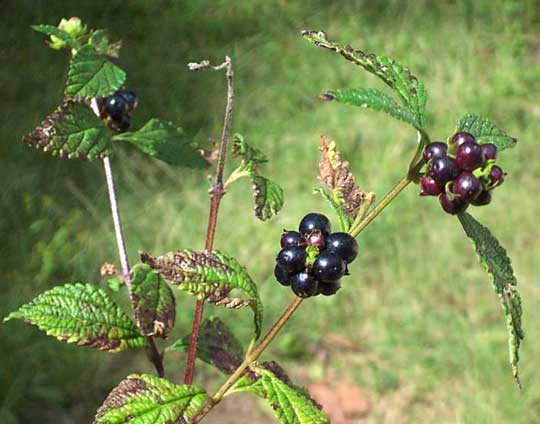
<point x="292" y="238"/>
<point x="329" y="288"/>
<point x="329" y="266"/>
<point x="282" y="276"/>
<point x="304" y="285"/>
<point x="437" y="149"/>
<point x="470" y="156"/>
<point x="314" y="221"/>
<point x="292" y="259"/>
<point x="484" y="198"/>
<point x="344" y="245"/>
<point x="443" y="169"/>
<point x="490" y="151"/>
<point x="130" y="98"/>
<point x="462" y="137"/>
<point x="115" y="106"/>
<point x="452" y="206"/>
<point x="429" y="187"/>
<point x="496" y="175"/>
<point x="466" y="186"/>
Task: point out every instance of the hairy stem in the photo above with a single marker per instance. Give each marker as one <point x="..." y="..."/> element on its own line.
<point x="152" y="352"/>
<point x="216" y="193"/>
<point x="250" y="358"/>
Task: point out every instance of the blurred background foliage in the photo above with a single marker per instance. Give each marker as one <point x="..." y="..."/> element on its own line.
<point x="428" y="340"/>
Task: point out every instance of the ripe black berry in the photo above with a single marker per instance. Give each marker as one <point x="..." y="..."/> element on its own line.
<point x="130" y="98"/>
<point x="314" y="221"/>
<point x="316" y="238"/>
<point x="430" y="187"/>
<point x="443" y="169"/>
<point x="292" y="238"/>
<point x="452" y="206"/>
<point x="292" y="259"/>
<point x="496" y="175"/>
<point x="329" y="288"/>
<point x="344" y="245"/>
<point x="462" y="137"/>
<point x="490" y="151"/>
<point x="282" y="276"/>
<point x="304" y="285"/>
<point x="329" y="266"/>
<point x="116" y="107"/>
<point x="123" y="124"/>
<point x="470" y="156"/>
<point x="484" y="198"/>
<point x="466" y="186"/>
<point x="434" y="150"/>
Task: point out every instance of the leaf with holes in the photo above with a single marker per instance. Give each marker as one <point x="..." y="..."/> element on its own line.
<point x="153" y="300"/>
<point x="372" y="99"/>
<point x="291" y="404"/>
<point x="65" y="38"/>
<point x="72" y="131"/>
<point x="141" y="399"/>
<point x="485" y="131"/>
<point x="164" y="141"/>
<point x="411" y="91"/>
<point x="209" y="275"/>
<point x="82" y="314"/>
<point x="92" y="74"/>
<point x="496" y="262"/>
<point x="217" y="345"/>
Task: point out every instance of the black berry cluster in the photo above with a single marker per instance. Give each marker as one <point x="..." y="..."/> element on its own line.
<point x="312" y="260"/>
<point x="117" y="109"/>
<point x="461" y="173"/>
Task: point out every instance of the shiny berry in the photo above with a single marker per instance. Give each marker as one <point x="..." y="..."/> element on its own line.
<point x="282" y="276"/>
<point x="316" y="238"/>
<point x="470" y="156"/>
<point x="304" y="285"/>
<point x="466" y="186"/>
<point x="123" y="124"/>
<point x="462" y="137"/>
<point x="292" y="259"/>
<point x="344" y="245"/>
<point x="437" y="149"/>
<point x="130" y="98"/>
<point x="292" y="238"/>
<point x="430" y="187"/>
<point x="329" y="266"/>
<point x="496" y="175"/>
<point x="443" y="169"/>
<point x="490" y="151"/>
<point x="314" y="221"/>
<point x="484" y="198"/>
<point x="329" y="288"/>
<point x="452" y="206"/>
<point x="115" y="107"/>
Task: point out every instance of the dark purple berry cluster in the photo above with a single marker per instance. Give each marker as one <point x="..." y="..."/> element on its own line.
<point x="117" y="109"/>
<point x="462" y="173"/>
<point x="313" y="259"/>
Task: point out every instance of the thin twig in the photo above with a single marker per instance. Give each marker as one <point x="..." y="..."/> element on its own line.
<point x="153" y="354"/>
<point x="216" y="193"/>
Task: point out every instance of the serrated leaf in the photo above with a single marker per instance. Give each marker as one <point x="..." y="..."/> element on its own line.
<point x="496" y="262"/>
<point x="92" y="74"/>
<point x="291" y="404"/>
<point x="217" y="345"/>
<point x="485" y="131"/>
<point x="145" y="399"/>
<point x="153" y="300"/>
<point x="373" y="99"/>
<point x="62" y="35"/>
<point x="82" y="314"/>
<point x="268" y="197"/>
<point x="411" y="91"/>
<point x="72" y="131"/>
<point x="209" y="275"/>
<point x="164" y="141"/>
<point x="250" y="155"/>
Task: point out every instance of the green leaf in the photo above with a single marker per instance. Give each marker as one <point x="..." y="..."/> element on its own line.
<point x="250" y="155"/>
<point x="153" y="300"/>
<point x="72" y="131"/>
<point x="164" y="141"/>
<point x="411" y="91"/>
<point x="82" y="314"/>
<point x="99" y="39"/>
<point x="92" y="74"/>
<point x="217" y="345"/>
<point x="496" y="262"/>
<point x="209" y="275"/>
<point x="337" y="206"/>
<point x="291" y="404"/>
<point x="145" y="399"/>
<point x="485" y="131"/>
<point x="373" y="99"/>
<point x="63" y="36"/>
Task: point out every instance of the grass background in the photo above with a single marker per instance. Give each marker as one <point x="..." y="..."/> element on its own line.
<point x="421" y="311"/>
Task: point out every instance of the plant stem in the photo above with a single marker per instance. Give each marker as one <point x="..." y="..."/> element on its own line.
<point x="250" y="358"/>
<point x="216" y="194"/>
<point x="385" y="201"/>
<point x="153" y="354"/>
